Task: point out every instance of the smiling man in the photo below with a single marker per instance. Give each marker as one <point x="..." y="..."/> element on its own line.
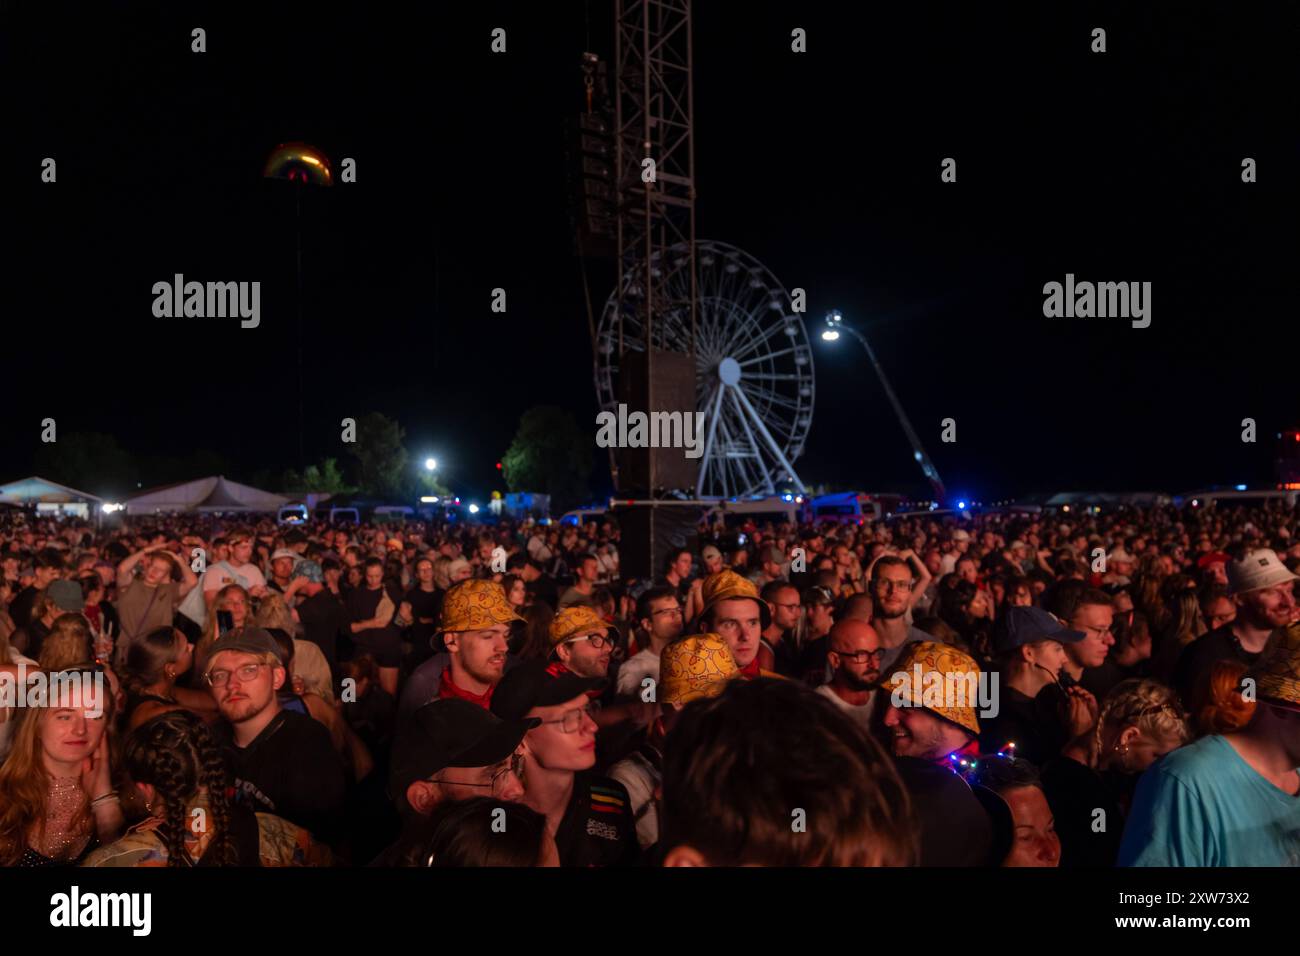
<point x="926" y="725"/>
<point x="284" y="762"/>
<point x="447" y="751"/>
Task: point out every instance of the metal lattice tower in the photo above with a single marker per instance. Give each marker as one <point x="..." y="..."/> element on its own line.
<point x="653" y="106"/>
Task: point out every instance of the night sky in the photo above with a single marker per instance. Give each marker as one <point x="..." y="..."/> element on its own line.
<point x="1122" y="166"/>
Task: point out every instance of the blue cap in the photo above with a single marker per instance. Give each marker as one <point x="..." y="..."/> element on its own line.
<point x="1026" y="625"/>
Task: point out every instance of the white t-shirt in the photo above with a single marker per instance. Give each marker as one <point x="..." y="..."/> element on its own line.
<point x="641" y="779"/>
<point x="217" y="577"/>
<point x="860" y="713"/>
<point x="635" y="669"/>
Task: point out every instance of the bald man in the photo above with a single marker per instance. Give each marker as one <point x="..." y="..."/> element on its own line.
<point x="854" y="656"/>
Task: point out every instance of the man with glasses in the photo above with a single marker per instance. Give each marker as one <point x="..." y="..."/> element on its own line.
<point x="893" y="584"/>
<point x="588" y="815"/>
<point x="582" y="641"/>
<point x="854" y="656"/>
<point x="284" y="762"/>
<point x="1093" y="614"/>
<point x="777" y="651"/>
<point x="452" y="750"/>
<point x="660" y="615"/>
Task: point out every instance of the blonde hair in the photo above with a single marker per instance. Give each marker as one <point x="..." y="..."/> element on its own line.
<point x="68" y="643"/>
<point x="210" y="628"/>
<point x="1149" y="706"/>
<point x="442" y="572"/>
<point x="272" y="612"/>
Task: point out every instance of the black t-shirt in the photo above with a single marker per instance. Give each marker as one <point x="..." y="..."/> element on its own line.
<point x="20" y="608"/>
<point x="1036" y="725"/>
<point x="30" y="638"/>
<point x="292" y="770"/>
<point x="363" y="602"/>
<point x="1194" y="665"/>
<point x="424" y="604"/>
<point x="545" y="589"/>
<point x="597" y="829"/>
<point x="1075" y="793"/>
<point x="1098" y="681"/>
<point x="325" y="622"/>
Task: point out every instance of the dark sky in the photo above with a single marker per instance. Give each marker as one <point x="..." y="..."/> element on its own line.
<point x="1123" y="166"/>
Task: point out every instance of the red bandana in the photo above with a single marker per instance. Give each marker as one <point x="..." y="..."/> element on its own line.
<point x="447" y="689"/>
<point x="750" y="670"/>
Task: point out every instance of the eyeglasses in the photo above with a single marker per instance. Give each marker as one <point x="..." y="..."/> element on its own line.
<point x="673" y="611"/>
<point x="245" y="674"/>
<point x="571" y="721"/>
<point x="596" y="640"/>
<point x="884" y="584"/>
<point x="514" y="765"/>
<point x="860" y="657"/>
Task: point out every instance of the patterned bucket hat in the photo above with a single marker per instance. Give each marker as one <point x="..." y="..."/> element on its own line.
<point x="952" y="695"/>
<point x="475" y="605"/>
<point x="580" y="619"/>
<point x="1277" y="672"/>
<point x="727" y="585"/>
<point x="694" y="667"/>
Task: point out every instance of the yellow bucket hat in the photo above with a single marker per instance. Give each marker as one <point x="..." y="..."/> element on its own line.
<point x="1277" y="672"/>
<point x="694" y="667"/>
<point x="475" y="605"/>
<point x="727" y="585"/>
<point x="952" y="693"/>
<point x="579" y="619"/>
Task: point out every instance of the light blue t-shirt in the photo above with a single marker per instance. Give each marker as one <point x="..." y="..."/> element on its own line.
<point x="1203" y="805"/>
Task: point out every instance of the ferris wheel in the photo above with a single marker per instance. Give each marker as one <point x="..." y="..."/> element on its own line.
<point x="754" y="366"/>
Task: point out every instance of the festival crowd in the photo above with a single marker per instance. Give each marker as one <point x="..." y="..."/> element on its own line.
<point x="1001" y="689"/>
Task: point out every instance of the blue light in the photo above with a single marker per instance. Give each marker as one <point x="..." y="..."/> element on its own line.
<point x="787" y="497"/>
<point x="1241" y="487"/>
<point x="961" y="505"/>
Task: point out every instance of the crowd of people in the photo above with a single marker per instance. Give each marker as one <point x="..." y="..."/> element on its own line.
<point x="1002" y="689"/>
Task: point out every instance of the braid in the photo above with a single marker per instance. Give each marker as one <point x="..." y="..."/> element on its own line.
<point x="176" y="754"/>
<point x="1149" y="706"/>
<point x="1104" y="715"/>
<point x="214" y="774"/>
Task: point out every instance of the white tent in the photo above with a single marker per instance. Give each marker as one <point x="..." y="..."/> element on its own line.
<point x="49" y="497"/>
<point x="204" y="494"/>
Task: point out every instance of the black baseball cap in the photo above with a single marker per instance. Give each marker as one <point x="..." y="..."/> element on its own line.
<point x="247" y="640"/>
<point x="451" y="733"/>
<point x="1026" y="625"/>
<point x="535" y="683"/>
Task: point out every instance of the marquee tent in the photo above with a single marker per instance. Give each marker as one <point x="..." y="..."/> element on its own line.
<point x="212" y="494"/>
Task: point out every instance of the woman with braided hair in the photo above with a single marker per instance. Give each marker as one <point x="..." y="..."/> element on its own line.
<point x="181" y="776"/>
<point x="1090" y="786"/>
